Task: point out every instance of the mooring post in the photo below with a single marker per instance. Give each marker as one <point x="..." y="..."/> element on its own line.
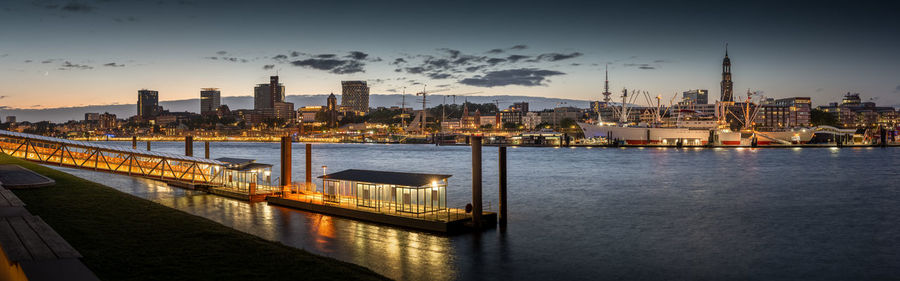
<point x="206" y="149"/>
<point x="189" y="146"/>
<point x="476" y="181"/>
<point x="133" y="142"/>
<point x="502" y="172"/>
<point x="148" y="145"/>
<point x="308" y="166"/>
<point x="285" y="162"/>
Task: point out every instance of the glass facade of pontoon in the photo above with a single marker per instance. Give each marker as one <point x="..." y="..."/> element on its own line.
<point x="419" y="198"/>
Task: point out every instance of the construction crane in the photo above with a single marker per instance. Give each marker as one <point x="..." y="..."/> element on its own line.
<point x="424" y="95"/>
<point x="466" y="94"/>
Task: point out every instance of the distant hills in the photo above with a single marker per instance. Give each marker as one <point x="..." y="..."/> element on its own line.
<point x="63" y="114"/>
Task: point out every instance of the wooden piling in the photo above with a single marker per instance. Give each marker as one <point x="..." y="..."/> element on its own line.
<point x="476" y="181"/>
<point x="502" y="172"/>
<point x="189" y="146"/>
<point x="148" y="145"/>
<point x="285" y="161"/>
<point x="206" y="149"/>
<point x="133" y="142"/>
<point x="308" y="166"/>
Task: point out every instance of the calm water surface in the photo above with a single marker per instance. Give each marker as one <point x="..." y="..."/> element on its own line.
<point x="596" y="214"/>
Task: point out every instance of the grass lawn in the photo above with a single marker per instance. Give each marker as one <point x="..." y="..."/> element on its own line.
<point x="123" y="237"/>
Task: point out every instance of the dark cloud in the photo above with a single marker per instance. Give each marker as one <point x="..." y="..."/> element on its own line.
<point x="357" y="55"/>
<point x="660" y="61"/>
<point x="494" y="61"/>
<point x="281" y="57"/>
<point x="453" y="53"/>
<point x="398" y="61"/>
<point x="474" y="68"/>
<point x="518" y="47"/>
<point x="495" y="51"/>
<point x="68" y="65"/>
<point x="268" y="66"/>
<point x="336" y="66"/>
<point x="47" y="61"/>
<point x="112" y="64"/>
<point x="438" y="75"/>
<point x="221" y="53"/>
<point x="415" y="70"/>
<point x="77" y="7"/>
<point x="897" y="90"/>
<point x="516" y="58"/>
<point x="326" y="56"/>
<point x="646" y="66"/>
<point x="28" y="61"/>
<point x="520" y="77"/>
<point x="295" y="54"/>
<point x="2" y="97"/>
<point x="557" y="56"/>
<point x="230" y="59"/>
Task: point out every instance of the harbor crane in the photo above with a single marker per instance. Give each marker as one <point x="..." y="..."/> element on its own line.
<point x="424" y="95"/>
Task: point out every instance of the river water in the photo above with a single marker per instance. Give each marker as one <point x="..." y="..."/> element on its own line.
<point x="597" y="214"/>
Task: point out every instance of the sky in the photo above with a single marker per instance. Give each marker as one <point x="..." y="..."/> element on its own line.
<point x="99" y="52"/>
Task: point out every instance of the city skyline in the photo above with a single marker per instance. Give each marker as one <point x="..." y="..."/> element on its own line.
<point x="99" y="52"/>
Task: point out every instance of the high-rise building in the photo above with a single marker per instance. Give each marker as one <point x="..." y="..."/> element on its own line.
<point x="210" y="100"/>
<point x="798" y="109"/>
<point x="91" y="116"/>
<point x="355" y="95"/>
<point x="727" y="85"/>
<point x="695" y="97"/>
<point x="265" y="95"/>
<point x="148" y="103"/>
<point x="520" y="106"/>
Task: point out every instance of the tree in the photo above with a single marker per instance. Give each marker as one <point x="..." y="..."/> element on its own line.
<point x="567" y="123"/>
<point x="510" y="125"/>
<point x="818" y="117"/>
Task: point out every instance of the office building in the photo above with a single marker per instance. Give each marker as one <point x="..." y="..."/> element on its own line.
<point x="520" y="106"/>
<point x="355" y="95"/>
<point x="695" y="97"/>
<point x="210" y="100"/>
<point x="91" y="117"/>
<point x="148" y="104"/>
<point x="266" y="95"/>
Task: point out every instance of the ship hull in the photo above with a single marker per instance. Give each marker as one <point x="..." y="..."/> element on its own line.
<point x="647" y="136"/>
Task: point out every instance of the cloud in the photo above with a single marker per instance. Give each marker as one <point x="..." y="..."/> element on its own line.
<point x="112" y="64"/>
<point x="268" y="66"/>
<point x="226" y="58"/>
<point x="3" y="97"/>
<point x="520" y="77"/>
<point x="645" y="66"/>
<point x="221" y="53"/>
<point x="897" y="90"/>
<point x="495" y="51"/>
<point x="398" y="61"/>
<point x="68" y="65"/>
<point x="281" y="57"/>
<point x="294" y="54"/>
<point x="557" y="56"/>
<point x="28" y="61"/>
<point x="326" y="56"/>
<point x="819" y="90"/>
<point x="518" y="47"/>
<point x="336" y="66"/>
<point x="516" y="58"/>
<point x="77" y="7"/>
<point x="437" y="75"/>
<point x="47" y="61"/>
<point x="357" y="55"/>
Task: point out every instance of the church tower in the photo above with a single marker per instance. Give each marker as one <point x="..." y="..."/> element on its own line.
<point x="727" y="86"/>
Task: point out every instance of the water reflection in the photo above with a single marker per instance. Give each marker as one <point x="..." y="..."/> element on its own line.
<point x="606" y="213"/>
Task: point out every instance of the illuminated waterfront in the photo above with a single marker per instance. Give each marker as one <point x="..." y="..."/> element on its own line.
<point x="580" y="213"/>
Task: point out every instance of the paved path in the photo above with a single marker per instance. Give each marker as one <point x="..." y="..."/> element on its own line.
<point x="14" y="177"/>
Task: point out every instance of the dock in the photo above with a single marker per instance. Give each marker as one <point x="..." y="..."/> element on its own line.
<point x="448" y="221"/>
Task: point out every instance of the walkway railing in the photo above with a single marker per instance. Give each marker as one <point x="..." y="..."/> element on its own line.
<point x="86" y="155"/>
